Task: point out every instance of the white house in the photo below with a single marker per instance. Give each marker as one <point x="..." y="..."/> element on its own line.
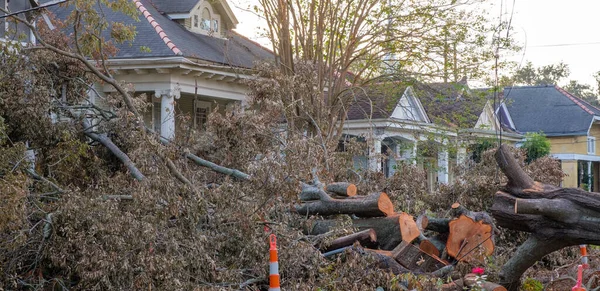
<point x="186" y="56"/>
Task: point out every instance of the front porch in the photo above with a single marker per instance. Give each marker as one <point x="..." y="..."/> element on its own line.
<point x="581" y="173"/>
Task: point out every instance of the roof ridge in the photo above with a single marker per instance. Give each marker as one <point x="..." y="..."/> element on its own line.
<point x="575" y="99"/>
<point x="161" y="33"/>
<point x="529" y="86"/>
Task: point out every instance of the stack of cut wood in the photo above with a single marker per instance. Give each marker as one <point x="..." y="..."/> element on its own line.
<point x="397" y="240"/>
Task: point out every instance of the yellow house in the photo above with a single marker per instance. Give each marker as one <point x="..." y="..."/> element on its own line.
<point x="570" y="124"/>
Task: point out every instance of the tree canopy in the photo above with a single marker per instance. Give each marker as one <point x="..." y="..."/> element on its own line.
<point x="347" y="44"/>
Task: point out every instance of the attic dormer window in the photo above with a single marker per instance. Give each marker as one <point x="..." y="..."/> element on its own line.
<point x="206" y="20"/>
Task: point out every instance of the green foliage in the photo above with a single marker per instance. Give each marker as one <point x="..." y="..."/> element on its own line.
<point x="536" y="145"/>
<point x="531" y="284"/>
<point x="480" y="147"/>
<point x="529" y="75"/>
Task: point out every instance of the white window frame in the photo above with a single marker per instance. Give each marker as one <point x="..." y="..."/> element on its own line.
<point x="591" y="145"/>
<point x="211" y="26"/>
<point x="204" y="105"/>
<point x="4" y="25"/>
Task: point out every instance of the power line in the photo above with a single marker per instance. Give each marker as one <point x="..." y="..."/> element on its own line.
<point x="51" y="3"/>
<point x="567" y="44"/>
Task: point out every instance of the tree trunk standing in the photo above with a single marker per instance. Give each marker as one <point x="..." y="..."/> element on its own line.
<point x="555" y="217"/>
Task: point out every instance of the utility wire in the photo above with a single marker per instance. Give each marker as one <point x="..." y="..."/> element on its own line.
<point x="51" y="3"/>
<point x="567" y="44"/>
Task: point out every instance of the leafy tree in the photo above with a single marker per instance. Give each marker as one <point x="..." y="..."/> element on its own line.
<point x="536" y="145"/>
<point x="552" y="75"/>
<point x="528" y="75"/>
<point x="583" y="91"/>
<point x="480" y="147"/>
<point x="329" y="44"/>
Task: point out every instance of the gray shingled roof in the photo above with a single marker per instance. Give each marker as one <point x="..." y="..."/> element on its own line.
<point x="174" y="6"/>
<point x="548" y="109"/>
<point x="375" y="102"/>
<point x="451" y="104"/>
<point x="236" y="51"/>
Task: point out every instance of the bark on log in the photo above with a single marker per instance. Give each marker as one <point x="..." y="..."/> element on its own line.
<point x="385" y="261"/>
<point x="342" y="189"/>
<point x="374" y="205"/>
<point x="439" y="225"/>
<point x="555" y="217"/>
<point x="310" y="193"/>
<point x="367" y="238"/>
<point x="414" y="259"/>
<point x="103" y="139"/>
<point x="386" y="228"/>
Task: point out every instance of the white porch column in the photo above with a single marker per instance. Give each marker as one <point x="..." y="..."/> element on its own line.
<point x="589" y="172"/>
<point x="375" y="154"/>
<point x="443" y="166"/>
<point x="167" y="112"/>
<point x="413" y="153"/>
<point x="461" y="155"/>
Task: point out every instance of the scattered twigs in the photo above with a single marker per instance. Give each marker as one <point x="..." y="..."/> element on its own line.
<point x="36" y="176"/>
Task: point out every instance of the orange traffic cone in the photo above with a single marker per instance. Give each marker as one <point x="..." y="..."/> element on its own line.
<point x="273" y="265"/>
<point x="577" y="286"/>
<point x="584" y="256"/>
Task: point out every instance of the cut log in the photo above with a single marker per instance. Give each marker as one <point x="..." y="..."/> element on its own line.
<point x="469" y="239"/>
<point x="377" y="204"/>
<point x="428" y="247"/>
<point x="342" y="189"/>
<point x="555" y="217"/>
<point x="384" y="261"/>
<point x="386" y="228"/>
<point x="435" y="224"/>
<point x="414" y="259"/>
<point x="408" y="227"/>
<point x="367" y="238"/>
<point x="310" y="193"/>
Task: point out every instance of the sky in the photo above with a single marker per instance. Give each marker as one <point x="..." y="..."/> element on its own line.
<point x="549" y="30"/>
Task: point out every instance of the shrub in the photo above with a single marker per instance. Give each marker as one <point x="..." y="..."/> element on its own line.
<point x="536" y="145"/>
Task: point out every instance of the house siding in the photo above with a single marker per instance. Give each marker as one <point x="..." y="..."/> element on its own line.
<point x="570" y="168"/>
<point x="568" y="145"/>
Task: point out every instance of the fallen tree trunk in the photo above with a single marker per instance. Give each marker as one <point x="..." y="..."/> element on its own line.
<point x="374" y="205"/>
<point x="385" y="261"/>
<point x="342" y="189"/>
<point x="416" y="260"/>
<point x="103" y="139"/>
<point x="312" y="192"/>
<point x="555" y="217"/>
<point x="367" y="238"/>
<point x="386" y="228"/>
